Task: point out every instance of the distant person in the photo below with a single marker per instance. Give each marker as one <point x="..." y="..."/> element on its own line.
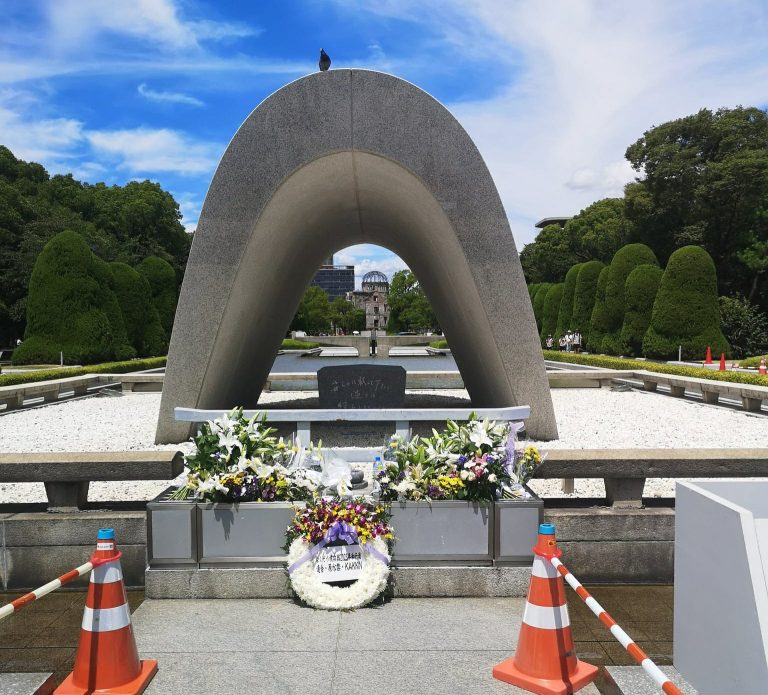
<point x="550" y="342"/>
<point x="568" y="340"/>
<point x="373" y="343"/>
<point x="577" y="341"/>
<point x="562" y="343"/>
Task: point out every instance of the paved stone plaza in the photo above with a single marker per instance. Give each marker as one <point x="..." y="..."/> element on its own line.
<point x="276" y="646"/>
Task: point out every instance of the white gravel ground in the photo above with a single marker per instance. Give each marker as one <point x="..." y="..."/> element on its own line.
<point x="586" y="418"/>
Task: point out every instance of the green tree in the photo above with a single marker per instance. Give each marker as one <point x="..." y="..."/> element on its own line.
<point x="551" y="312"/>
<point x="686" y="311"/>
<point x="142" y="322"/>
<point x="538" y="303"/>
<point x="550" y="256"/>
<point x="314" y="313"/>
<point x="409" y="308"/>
<point x="566" y="305"/>
<point x="639" y="295"/>
<point x="706" y="177"/>
<point x="72" y="308"/>
<point x="745" y="327"/>
<point x="598" y="322"/>
<point x="584" y="297"/>
<point x="624" y="262"/>
<point x="162" y="281"/>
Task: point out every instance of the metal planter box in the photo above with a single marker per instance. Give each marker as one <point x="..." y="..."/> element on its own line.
<point x="249" y="533"/>
<point x="516" y="526"/>
<point x="451" y="532"/>
<point x="171" y="532"/>
<point x="202" y="534"/>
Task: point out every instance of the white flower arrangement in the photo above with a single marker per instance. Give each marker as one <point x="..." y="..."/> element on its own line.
<point x="318" y="594"/>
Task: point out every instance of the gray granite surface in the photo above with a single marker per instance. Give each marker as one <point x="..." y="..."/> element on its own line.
<point x="26" y="683"/>
<point x="408" y="646"/>
<point x="632" y="680"/>
<point x="331" y="160"/>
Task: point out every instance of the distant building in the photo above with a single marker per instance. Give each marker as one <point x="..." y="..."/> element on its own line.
<point x="546" y="221"/>
<point x="336" y="280"/>
<point x="373" y="298"/>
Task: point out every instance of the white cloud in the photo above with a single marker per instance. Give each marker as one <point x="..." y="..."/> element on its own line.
<point x="40" y="140"/>
<point x="167" y="97"/>
<point x="190" y="206"/>
<point x="145" y="150"/>
<point x="73" y="23"/>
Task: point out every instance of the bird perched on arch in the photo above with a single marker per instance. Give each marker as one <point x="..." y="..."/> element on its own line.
<point x="325" y="61"/>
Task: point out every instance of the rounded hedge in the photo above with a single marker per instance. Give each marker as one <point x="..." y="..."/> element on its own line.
<point x="566" y="305"/>
<point x="639" y="294"/>
<point x="551" y="311"/>
<point x="584" y="297"/>
<point x="72" y="308"/>
<point x="597" y="320"/>
<point x="142" y="322"/>
<point x="686" y="311"/>
<point x="532" y="289"/>
<point x="626" y="259"/>
<point x="538" y="302"/>
<point x="162" y="280"/>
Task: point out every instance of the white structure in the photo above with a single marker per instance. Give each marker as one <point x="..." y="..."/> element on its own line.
<point x="721" y="595"/>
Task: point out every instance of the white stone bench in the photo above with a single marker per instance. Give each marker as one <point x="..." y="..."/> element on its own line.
<point x="751" y="396"/>
<point x="402" y="417"/>
<point x="50" y="390"/>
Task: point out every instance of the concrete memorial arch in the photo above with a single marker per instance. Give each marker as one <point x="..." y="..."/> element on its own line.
<point x="334" y="159"/>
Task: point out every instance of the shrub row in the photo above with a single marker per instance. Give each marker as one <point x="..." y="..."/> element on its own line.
<point x="623" y="363"/>
<point x="62" y="373"/>
<point x="439" y="344"/>
<point x="291" y="344"/>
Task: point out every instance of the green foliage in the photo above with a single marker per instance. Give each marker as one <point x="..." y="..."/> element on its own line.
<point x="745" y="327"/>
<point x="686" y="310"/>
<point x="106" y="368"/>
<point x="344" y="315"/>
<point x="624" y="262"/>
<point x="314" y="313"/>
<point x="72" y="308"/>
<point x="754" y="361"/>
<point x="439" y="344"/>
<point x="538" y="303"/>
<point x="584" y="297"/>
<point x="566" y="305"/>
<point x="623" y="363"/>
<point x="409" y="308"/>
<point x="162" y="281"/>
<point x="706" y="177"/>
<point x="290" y="344"/>
<point x="596" y="233"/>
<point x="551" y="311"/>
<point x="119" y="223"/>
<point x="142" y="322"/>
<point x="532" y="289"/>
<point x="639" y="294"/>
<point x="598" y="321"/>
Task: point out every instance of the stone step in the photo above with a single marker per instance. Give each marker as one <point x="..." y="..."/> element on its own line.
<point x="26" y="683"/>
<point x="632" y="680"/>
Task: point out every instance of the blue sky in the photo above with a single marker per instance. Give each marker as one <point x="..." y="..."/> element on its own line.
<point x="552" y="92"/>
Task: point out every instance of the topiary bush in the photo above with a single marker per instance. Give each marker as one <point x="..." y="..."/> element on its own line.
<point x="162" y="280"/>
<point x="532" y="289"/>
<point x="142" y="322"/>
<point x="639" y="294"/>
<point x="538" y="302"/>
<point x="551" y="311"/>
<point x="566" y="305"/>
<point x="598" y="322"/>
<point x="744" y="326"/>
<point x="626" y="259"/>
<point x="584" y="297"/>
<point x="686" y="311"/>
<point x="72" y="308"/>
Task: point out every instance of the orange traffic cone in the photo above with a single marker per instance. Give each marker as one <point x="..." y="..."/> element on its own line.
<point x="545" y="661"/>
<point x="708" y="358"/>
<point x="107" y="660"/>
<point x="722" y="362"/>
<point x="762" y="368"/>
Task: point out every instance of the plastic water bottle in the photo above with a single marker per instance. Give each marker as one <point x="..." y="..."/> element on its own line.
<point x="377" y="467"/>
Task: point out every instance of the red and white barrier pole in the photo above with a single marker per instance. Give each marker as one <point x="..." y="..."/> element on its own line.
<point x="624" y="639"/>
<point x="13" y="606"/>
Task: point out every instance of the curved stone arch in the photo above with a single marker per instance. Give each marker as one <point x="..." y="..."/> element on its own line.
<point x="331" y="160"/>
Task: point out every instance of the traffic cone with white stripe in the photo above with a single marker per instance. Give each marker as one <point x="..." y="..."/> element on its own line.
<point x="107" y="660"/>
<point x="545" y="661"/>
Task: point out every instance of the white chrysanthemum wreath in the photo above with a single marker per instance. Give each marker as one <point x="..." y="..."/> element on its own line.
<point x="355" y="522"/>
